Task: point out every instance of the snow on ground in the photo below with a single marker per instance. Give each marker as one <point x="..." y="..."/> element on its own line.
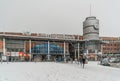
<point x="51" y="71"/>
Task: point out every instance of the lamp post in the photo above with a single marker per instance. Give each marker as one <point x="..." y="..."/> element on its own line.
<point x="64" y="52"/>
<point x="86" y="50"/>
<point x="75" y="54"/>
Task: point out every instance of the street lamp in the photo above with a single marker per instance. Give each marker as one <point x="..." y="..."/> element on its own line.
<point x="86" y="50"/>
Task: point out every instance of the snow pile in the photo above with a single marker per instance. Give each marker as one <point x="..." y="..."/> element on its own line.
<point x="50" y="71"/>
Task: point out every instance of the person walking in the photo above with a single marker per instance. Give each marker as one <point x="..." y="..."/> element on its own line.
<point x="83" y="60"/>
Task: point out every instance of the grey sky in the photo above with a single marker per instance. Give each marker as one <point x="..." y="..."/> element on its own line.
<point x="58" y="16"/>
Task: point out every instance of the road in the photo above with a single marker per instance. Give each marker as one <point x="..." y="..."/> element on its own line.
<point x="51" y="71"/>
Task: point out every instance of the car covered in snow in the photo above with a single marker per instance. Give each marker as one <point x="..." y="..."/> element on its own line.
<point x="105" y="62"/>
<point x="114" y="60"/>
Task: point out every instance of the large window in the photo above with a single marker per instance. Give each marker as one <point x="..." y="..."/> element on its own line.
<point x="14" y="45"/>
<point x="42" y="48"/>
<point x="39" y="47"/>
<point x="56" y="48"/>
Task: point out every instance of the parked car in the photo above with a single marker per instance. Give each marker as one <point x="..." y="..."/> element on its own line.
<point x="114" y="60"/>
<point x="105" y="62"/>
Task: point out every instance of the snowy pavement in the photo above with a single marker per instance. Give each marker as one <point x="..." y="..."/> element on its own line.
<point x="51" y="71"/>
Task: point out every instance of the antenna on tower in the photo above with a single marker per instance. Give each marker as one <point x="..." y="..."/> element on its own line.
<point x="90" y="9"/>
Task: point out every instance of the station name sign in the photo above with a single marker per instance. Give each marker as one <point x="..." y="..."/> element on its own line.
<point x="58" y="36"/>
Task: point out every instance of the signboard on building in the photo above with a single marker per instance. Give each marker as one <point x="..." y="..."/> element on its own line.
<point x="17" y="53"/>
<point x="57" y="36"/>
<point x="60" y="36"/>
<point x="8" y="53"/>
<point x="69" y="37"/>
<point x="53" y="36"/>
<point x="21" y="53"/>
<point x="43" y="35"/>
<point x="13" y="54"/>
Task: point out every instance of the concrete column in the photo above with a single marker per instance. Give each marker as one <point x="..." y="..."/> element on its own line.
<point x="78" y="50"/>
<point x="30" y="50"/>
<point x="87" y="52"/>
<point x="24" y="46"/>
<point x="75" y="53"/>
<point x="86" y="46"/>
<point x="96" y="53"/>
<point x="48" y="50"/>
<point x="101" y="49"/>
<point x="4" y="50"/>
<point x="64" y="52"/>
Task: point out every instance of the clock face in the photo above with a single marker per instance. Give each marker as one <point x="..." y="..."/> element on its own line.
<point x="96" y="26"/>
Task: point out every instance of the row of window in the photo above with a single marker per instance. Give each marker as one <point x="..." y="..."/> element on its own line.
<point x="111" y="40"/>
<point x="111" y="49"/>
<point x="111" y="44"/>
<point x="15" y="50"/>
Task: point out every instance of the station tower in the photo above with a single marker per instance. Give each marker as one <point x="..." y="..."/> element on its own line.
<point x="91" y="34"/>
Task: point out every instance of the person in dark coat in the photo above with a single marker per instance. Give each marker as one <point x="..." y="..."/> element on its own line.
<point x="83" y="60"/>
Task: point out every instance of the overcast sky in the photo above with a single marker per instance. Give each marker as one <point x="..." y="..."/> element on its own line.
<point x="58" y="16"/>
